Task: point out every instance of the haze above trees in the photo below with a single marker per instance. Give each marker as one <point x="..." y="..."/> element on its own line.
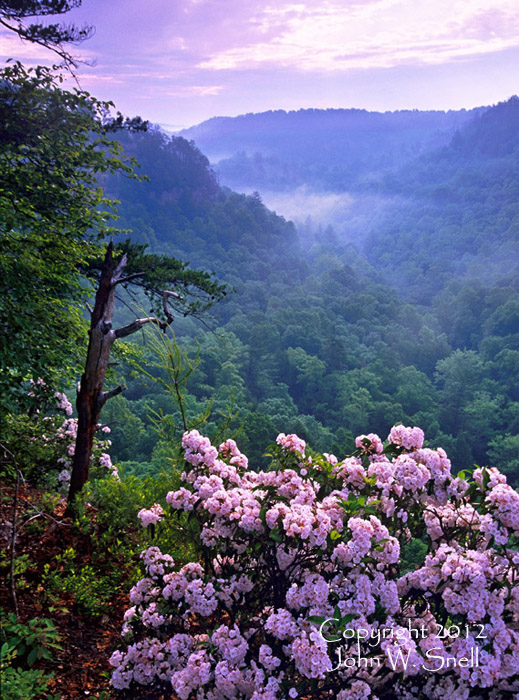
<point x="406" y="309"/>
<point x="414" y="319"/>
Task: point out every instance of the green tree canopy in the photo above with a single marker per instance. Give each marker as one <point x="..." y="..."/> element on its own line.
<point x="54" y="145"/>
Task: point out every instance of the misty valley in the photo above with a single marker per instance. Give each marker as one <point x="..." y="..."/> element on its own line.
<point x="259" y="403"/>
<point x="393" y="298"/>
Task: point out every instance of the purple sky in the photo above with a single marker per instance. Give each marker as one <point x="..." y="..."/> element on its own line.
<point x="177" y="63"/>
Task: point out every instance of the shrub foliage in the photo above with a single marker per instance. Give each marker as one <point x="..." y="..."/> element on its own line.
<point x="379" y="576"/>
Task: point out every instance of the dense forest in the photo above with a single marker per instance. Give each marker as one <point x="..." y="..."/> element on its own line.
<point x="242" y="455"/>
<point x="327" y="149"/>
<point x="417" y="321"/>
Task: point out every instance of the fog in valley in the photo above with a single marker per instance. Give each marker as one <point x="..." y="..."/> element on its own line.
<point x="259" y="376"/>
<point x="329" y="217"/>
<point x="395" y="186"/>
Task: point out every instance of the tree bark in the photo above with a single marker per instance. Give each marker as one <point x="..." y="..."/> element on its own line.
<point x="90" y="398"/>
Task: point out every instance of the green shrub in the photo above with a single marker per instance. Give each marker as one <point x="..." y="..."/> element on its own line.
<point x="36" y="640"/>
<point x="117" y="504"/>
<point x="20" y="683"/>
<point x="91" y="591"/>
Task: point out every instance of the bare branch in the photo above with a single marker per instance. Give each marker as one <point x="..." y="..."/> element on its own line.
<point x="41" y="514"/>
<point x="89" y="308"/>
<point x="19" y="478"/>
<point x="106" y="395"/>
<point x="166" y="294"/>
<point x="137" y="325"/>
<point x="119" y="269"/>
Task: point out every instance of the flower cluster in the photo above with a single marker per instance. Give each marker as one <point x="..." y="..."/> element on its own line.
<point x="291" y="443"/>
<point x="305" y="588"/>
<point x="63" y="435"/>
<point x="408" y="438"/>
<point x="150" y="516"/>
<point x="63" y="404"/>
<point x="58" y="434"/>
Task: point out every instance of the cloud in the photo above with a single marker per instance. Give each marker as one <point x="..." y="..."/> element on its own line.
<point x="188" y="60"/>
<point x="192" y="91"/>
<point x="180" y="38"/>
<point x="12" y="45"/>
<point x="336" y="36"/>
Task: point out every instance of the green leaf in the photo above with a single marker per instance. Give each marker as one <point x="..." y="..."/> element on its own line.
<point x="274" y="535"/>
<point x="32" y="656"/>
<point x="316" y="620"/>
<point x="344" y="621"/>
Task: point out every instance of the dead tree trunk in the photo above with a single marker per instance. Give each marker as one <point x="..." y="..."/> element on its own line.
<point x="91" y="397"/>
<point x="90" y="392"/>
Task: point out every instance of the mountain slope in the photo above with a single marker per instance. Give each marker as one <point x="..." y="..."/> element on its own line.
<point x="326" y="149"/>
<point x="427" y="196"/>
<point x="315" y="340"/>
<point x="456" y="210"/>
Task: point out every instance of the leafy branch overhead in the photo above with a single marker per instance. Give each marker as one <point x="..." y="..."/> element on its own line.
<point x="54" y="146"/>
<point x="171" y="285"/>
<point x="54" y="35"/>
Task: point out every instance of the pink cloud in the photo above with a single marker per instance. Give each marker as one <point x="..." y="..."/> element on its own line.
<point x="206" y="57"/>
<point x="318" y="36"/>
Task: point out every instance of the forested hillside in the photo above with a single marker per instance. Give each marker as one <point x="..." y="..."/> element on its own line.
<point x="327" y="149"/>
<point x="418" y="322"/>
<point x="458" y="205"/>
<point x="246" y="456"/>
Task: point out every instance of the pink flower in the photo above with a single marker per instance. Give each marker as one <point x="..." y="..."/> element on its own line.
<point x="369" y="444"/>
<point x="408" y="438"/>
<point x="151" y="516"/>
<point x="291" y="443"/>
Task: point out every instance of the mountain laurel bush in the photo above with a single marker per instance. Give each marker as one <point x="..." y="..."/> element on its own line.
<point x="301" y="590"/>
<point x="44" y="440"/>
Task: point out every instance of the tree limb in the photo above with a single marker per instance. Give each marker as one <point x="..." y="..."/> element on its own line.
<point x="166" y="294"/>
<point x="106" y="395"/>
<point x="137" y="325"/>
<point x="128" y="278"/>
<point x="118" y="270"/>
<point x="66" y="57"/>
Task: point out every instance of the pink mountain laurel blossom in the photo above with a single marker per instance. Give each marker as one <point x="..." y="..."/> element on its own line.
<point x="60" y="437"/>
<point x="305" y="588"/>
